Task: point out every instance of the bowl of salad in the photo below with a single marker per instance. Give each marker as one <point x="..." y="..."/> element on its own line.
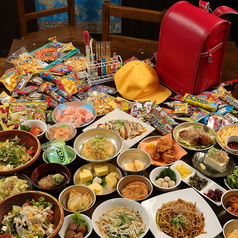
<point x="18" y="150"/>
<point x="41" y="213"/>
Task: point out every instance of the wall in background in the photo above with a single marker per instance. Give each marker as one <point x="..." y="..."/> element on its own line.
<point x="10" y="30"/>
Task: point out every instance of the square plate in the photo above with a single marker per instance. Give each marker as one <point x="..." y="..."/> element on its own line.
<point x="212" y="225"/>
<point x="210" y="184"/>
<point x="119" y="114"/>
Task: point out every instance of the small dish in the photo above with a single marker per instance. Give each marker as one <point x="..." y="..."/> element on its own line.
<point x="37" y="123"/>
<point x="140" y="190"/>
<point x="68" y="220"/>
<point x="231" y="181"/>
<point x="133" y="161"/>
<point x="229" y="198"/>
<point x="232" y="144"/>
<point x="197" y="161"/>
<point x="44" y="170"/>
<point x="106" y="189"/>
<point x="229" y="227"/>
<point x="70" y="153"/>
<point x="79" y="192"/>
<point x="61" y="131"/>
<point x="156" y="172"/>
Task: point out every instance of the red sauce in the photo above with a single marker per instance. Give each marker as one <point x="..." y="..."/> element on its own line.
<point x="233" y="145"/>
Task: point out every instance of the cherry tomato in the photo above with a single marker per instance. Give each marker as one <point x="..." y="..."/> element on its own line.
<point x="30" y="152"/>
<point x="49" y="217"/>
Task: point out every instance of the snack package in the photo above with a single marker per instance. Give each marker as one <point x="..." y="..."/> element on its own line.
<point x="55" y="152"/>
<point x="140" y="109"/>
<point x="10" y="79"/>
<point x="24" y="61"/>
<point x="102" y="102"/>
<point x="77" y="62"/>
<point x="23" y="111"/>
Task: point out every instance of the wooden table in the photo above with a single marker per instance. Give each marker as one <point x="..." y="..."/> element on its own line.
<point x="230" y="71"/>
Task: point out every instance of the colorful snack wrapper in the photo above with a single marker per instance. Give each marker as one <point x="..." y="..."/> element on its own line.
<point x="227" y="97"/>
<point x="197" y="115"/>
<point x="5" y="98"/>
<point x="61" y="68"/>
<point x="180" y="108"/>
<point x="55" y="152"/>
<point x="140" y="109"/>
<point x="200" y="102"/>
<point x="10" y="79"/>
<point x="104" y="88"/>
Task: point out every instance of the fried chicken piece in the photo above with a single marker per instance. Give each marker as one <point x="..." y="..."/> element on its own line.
<point x="156" y="156"/>
<point x="190" y="135"/>
<point x="163" y="145"/>
<point x="168" y="156"/>
<point x="205" y="140"/>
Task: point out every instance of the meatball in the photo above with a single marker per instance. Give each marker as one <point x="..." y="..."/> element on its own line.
<point x="79" y="235"/>
<point x="70" y="234"/>
<point x="73" y="227"/>
<point x="82" y="229"/>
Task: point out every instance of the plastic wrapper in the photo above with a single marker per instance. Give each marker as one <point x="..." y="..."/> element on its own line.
<point x="55" y="152"/>
<point x="140" y="109"/>
<point x="23" y="111"/>
<point x="23" y="61"/>
<point x="60" y="68"/>
<point x="200" y="102"/>
<point x="10" y="79"/>
<point x="102" y="102"/>
<point x="6" y="99"/>
<point x="77" y="62"/>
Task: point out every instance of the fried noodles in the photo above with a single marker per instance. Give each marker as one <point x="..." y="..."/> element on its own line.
<point x="121" y="222"/>
<point x="180" y="219"/>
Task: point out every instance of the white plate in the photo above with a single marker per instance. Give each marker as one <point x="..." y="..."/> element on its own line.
<point x="119" y="114"/>
<point x="212" y="225"/>
<point x="210" y="184"/>
<point x="111" y="168"/>
<point x="119" y="202"/>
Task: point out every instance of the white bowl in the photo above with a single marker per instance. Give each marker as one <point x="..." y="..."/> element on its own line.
<point x="156" y="172"/>
<point x="68" y="220"/>
<point x="129" y="156"/>
<point x="39" y="123"/>
<point x="229" y="139"/>
<point x="229" y="227"/>
<point x="120" y="202"/>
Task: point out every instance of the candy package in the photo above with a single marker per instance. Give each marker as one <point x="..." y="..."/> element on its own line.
<point x="24" y="61"/>
<point x="55" y="152"/>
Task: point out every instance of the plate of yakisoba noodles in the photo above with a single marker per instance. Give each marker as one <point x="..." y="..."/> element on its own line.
<point x="184" y="213"/>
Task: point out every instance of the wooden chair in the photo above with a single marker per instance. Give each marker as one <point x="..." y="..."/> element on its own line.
<point x="69" y="32"/>
<point x="109" y="10"/>
<point x="135" y="46"/>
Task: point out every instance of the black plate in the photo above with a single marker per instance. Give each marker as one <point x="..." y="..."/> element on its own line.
<point x="210" y="172"/>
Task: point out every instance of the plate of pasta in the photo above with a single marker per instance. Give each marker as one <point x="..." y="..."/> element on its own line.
<point x="188" y="204"/>
<point x="224" y="133"/>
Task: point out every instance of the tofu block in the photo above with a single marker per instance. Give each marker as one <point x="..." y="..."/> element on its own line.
<point x="96" y="187"/>
<point x="111" y="179"/>
<point x="101" y="170"/>
<point x="216" y="159"/>
<point x="85" y="176"/>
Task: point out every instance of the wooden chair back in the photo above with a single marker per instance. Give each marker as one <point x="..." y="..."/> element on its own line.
<point x="60" y="32"/>
<point x="109" y="10"/>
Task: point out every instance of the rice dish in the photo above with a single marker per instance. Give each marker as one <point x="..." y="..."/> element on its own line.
<point x="98" y="147"/>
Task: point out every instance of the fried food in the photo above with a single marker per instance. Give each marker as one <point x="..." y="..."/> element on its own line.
<point x="135" y="190"/>
<point x="163" y="150"/>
